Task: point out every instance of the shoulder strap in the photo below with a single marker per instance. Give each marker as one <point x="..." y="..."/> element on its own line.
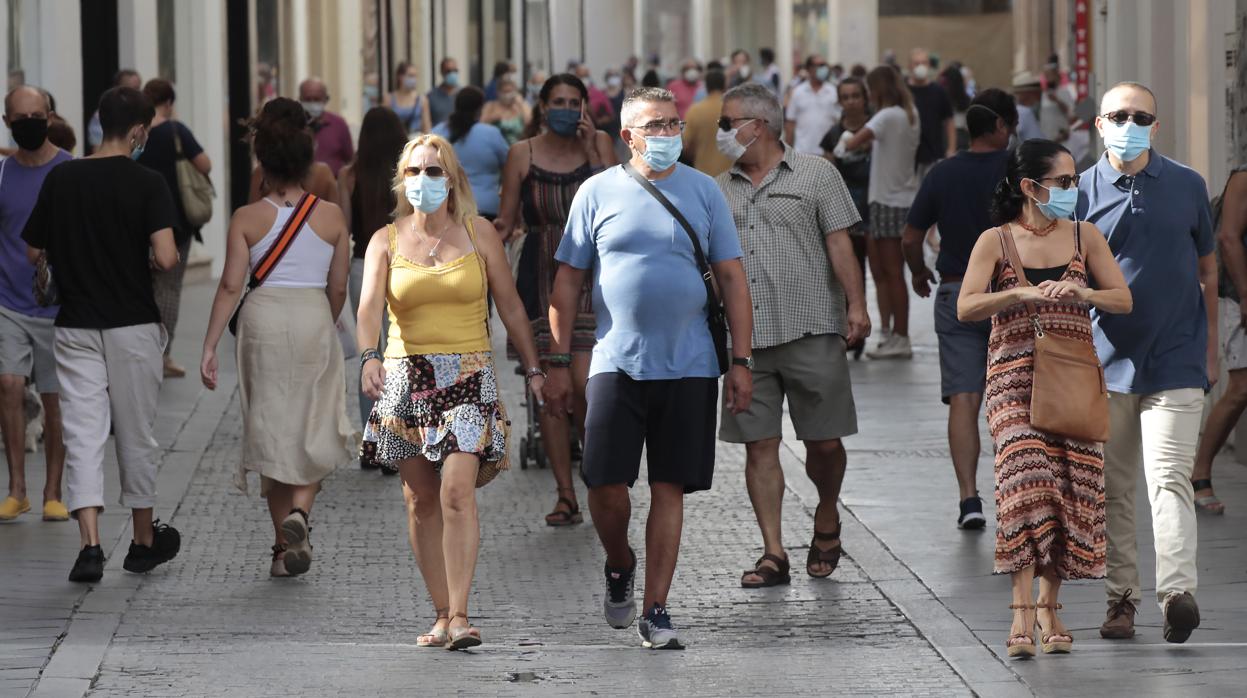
<point x="3" y="164"/>
<point x="391" y="230"/>
<point x="1078" y="237"/>
<point x="702" y="264"/>
<point x="294" y="225"/>
<point x="480" y="260"/>
<point x="177" y="140"/>
<point x="1015" y="261"/>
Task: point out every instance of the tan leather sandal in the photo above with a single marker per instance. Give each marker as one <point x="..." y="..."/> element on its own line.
<point x="465" y="637"/>
<point x="1053" y="643"/>
<point x="1021" y="645"/>
<point x="436" y="637"/>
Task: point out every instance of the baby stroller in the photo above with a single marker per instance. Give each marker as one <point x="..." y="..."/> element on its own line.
<point x="532" y="447"/>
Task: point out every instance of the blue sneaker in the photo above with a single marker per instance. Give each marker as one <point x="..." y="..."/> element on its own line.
<point x="619" y="606"/>
<point x="656" y="631"/>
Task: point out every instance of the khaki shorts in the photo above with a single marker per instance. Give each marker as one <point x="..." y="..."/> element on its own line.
<point x="1233" y="336"/>
<point x="813" y="373"/>
<point x="26" y="349"/>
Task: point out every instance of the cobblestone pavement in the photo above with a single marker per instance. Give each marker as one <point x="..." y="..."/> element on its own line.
<point x="913" y="609"/>
<point x="212" y="622"/>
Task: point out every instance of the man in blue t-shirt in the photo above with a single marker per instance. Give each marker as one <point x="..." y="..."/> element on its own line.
<point x="26" y="333"/>
<point x="957" y="196"/>
<point x="1159" y="359"/>
<point x="653" y="378"/>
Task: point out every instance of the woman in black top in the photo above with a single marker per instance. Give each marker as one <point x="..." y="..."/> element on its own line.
<point x="161" y="154"/>
<point x="854" y="166"/>
<point x="365" y="192"/>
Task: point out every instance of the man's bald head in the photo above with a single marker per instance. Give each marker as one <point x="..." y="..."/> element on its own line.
<point x="313" y="90"/>
<point x="27" y="100"/>
<point x="1128" y="96"/>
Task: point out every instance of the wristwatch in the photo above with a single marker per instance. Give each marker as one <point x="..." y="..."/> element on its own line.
<point x="746" y="361"/>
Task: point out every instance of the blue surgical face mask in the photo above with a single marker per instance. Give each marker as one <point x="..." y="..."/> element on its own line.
<point x="822" y="72"/>
<point x="137" y="151"/>
<point x="661" y="152"/>
<point x="452" y="78"/>
<point x="1060" y="204"/>
<point x="426" y="194"/>
<point x="563" y="121"/>
<point x="1127" y="141"/>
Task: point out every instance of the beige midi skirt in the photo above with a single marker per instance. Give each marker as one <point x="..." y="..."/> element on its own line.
<point x="292" y="389"/>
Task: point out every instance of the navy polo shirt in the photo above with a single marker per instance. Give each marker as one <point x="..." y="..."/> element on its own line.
<point x="1158" y="224"/>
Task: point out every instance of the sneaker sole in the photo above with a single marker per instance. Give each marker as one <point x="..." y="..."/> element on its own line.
<point x="87" y="580"/>
<point x="298" y="557"/>
<point x="973" y="523"/>
<point x="672" y="644"/>
<point x="141" y="567"/>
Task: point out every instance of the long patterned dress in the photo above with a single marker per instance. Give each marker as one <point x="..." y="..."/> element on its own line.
<point x="1049" y="489"/>
<point x="545" y="199"/>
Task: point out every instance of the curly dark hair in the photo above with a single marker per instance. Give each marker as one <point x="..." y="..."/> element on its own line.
<point x="281" y="141"/>
<point x="1031" y="160"/>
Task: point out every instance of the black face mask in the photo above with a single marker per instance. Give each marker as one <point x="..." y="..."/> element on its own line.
<point x="29" y="133"/>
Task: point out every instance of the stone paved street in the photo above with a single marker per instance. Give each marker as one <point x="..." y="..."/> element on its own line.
<point x="913" y="610"/>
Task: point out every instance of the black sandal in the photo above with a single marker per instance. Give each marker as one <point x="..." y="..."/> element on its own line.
<point x="565" y="517"/>
<point x="770" y="577"/>
<point x="817" y="555"/>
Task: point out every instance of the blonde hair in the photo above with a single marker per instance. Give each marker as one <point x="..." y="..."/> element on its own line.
<point x="462" y="205"/>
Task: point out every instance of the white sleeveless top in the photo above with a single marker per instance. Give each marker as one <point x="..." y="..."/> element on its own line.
<point x="306" y="262"/>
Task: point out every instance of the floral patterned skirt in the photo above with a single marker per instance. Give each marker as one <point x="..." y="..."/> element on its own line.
<point x="434" y="405"/>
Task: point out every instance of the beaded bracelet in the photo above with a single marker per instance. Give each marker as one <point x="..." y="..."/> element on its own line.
<point x="368" y="355"/>
<point x="559" y="360"/>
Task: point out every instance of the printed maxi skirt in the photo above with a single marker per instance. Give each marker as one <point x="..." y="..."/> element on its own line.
<point x="1049" y="489"/>
<point x="437" y="404"/>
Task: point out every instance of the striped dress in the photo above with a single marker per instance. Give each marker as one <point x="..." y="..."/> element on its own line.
<point x="546" y="198"/>
<point x="1049" y="489"/>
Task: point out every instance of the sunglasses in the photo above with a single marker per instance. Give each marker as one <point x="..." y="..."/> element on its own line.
<point x="1120" y="117"/>
<point x="1064" y="181"/>
<point x="725" y="124"/>
<point x="432" y="171"/>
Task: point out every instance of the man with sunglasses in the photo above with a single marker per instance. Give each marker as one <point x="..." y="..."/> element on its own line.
<point x="792" y="212"/>
<point x="653" y="378"/>
<point x="1158" y="360"/>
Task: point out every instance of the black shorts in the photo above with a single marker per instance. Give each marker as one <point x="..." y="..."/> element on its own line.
<point x="674" y="420"/>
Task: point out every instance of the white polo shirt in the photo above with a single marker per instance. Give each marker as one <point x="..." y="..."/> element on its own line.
<point x="814" y="113"/>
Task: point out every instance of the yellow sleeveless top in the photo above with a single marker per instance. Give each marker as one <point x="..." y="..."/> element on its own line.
<point x="436" y="310"/>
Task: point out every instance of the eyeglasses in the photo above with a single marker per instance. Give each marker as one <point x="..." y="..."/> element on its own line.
<point x="725" y="124"/>
<point x="432" y="171"/>
<point x="654" y="128"/>
<point x="1120" y="117"/>
<point x="1064" y="181"/>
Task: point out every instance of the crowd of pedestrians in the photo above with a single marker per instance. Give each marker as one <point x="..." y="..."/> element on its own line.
<point x="647" y="244"/>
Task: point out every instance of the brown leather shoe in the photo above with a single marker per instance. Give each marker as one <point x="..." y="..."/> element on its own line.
<point x="1119" y="624"/>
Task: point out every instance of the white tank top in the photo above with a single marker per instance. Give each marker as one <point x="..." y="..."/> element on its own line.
<point x="306" y="262"/>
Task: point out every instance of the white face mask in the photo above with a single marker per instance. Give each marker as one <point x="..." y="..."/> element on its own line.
<point x="744" y="72"/>
<point x="691" y="74"/>
<point x="922" y="71"/>
<point x="727" y="144"/>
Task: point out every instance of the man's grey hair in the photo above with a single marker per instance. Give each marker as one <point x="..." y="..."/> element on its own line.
<point x="758" y="102"/>
<point x="639" y="97"/>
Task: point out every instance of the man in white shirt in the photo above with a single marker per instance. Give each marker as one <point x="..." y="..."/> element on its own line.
<point x="813" y="108"/>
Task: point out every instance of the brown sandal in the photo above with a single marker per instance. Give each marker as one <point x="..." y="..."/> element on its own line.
<point x="565" y="517"/>
<point x="817" y="554"/>
<point x="770" y="577"/>
<point x="1022" y="645"/>
<point x="1053" y="643"/>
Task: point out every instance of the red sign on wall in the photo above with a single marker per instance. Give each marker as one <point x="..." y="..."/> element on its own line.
<point x="1082" y="54"/>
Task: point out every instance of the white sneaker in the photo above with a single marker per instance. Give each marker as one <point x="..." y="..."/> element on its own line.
<point x="894" y="347"/>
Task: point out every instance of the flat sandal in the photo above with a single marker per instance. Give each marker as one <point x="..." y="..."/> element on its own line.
<point x="463" y="638"/>
<point x="436" y="638"/>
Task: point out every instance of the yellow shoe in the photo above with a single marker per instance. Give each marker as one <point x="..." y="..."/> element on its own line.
<point x="12" y="507"/>
<point x="54" y="510"/>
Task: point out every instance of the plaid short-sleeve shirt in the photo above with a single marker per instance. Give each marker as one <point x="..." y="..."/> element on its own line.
<point x="783" y="224"/>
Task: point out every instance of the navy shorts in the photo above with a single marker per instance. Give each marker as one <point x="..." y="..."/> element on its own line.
<point x="963" y="345"/>
<point x="674" y="420"/>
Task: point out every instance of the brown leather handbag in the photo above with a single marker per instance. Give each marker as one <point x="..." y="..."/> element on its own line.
<point x="1069" y="397"/>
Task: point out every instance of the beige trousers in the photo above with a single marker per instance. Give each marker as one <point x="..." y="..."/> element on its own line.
<point x="1160" y="431"/>
<point x="110" y="377"/>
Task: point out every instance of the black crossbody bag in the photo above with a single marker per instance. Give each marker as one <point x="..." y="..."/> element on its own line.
<point x="717" y="318"/>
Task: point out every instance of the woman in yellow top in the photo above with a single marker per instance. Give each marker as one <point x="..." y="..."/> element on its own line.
<point x="438" y="411"/>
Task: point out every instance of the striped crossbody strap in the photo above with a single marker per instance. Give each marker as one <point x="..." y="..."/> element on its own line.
<point x="294" y="225"/>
